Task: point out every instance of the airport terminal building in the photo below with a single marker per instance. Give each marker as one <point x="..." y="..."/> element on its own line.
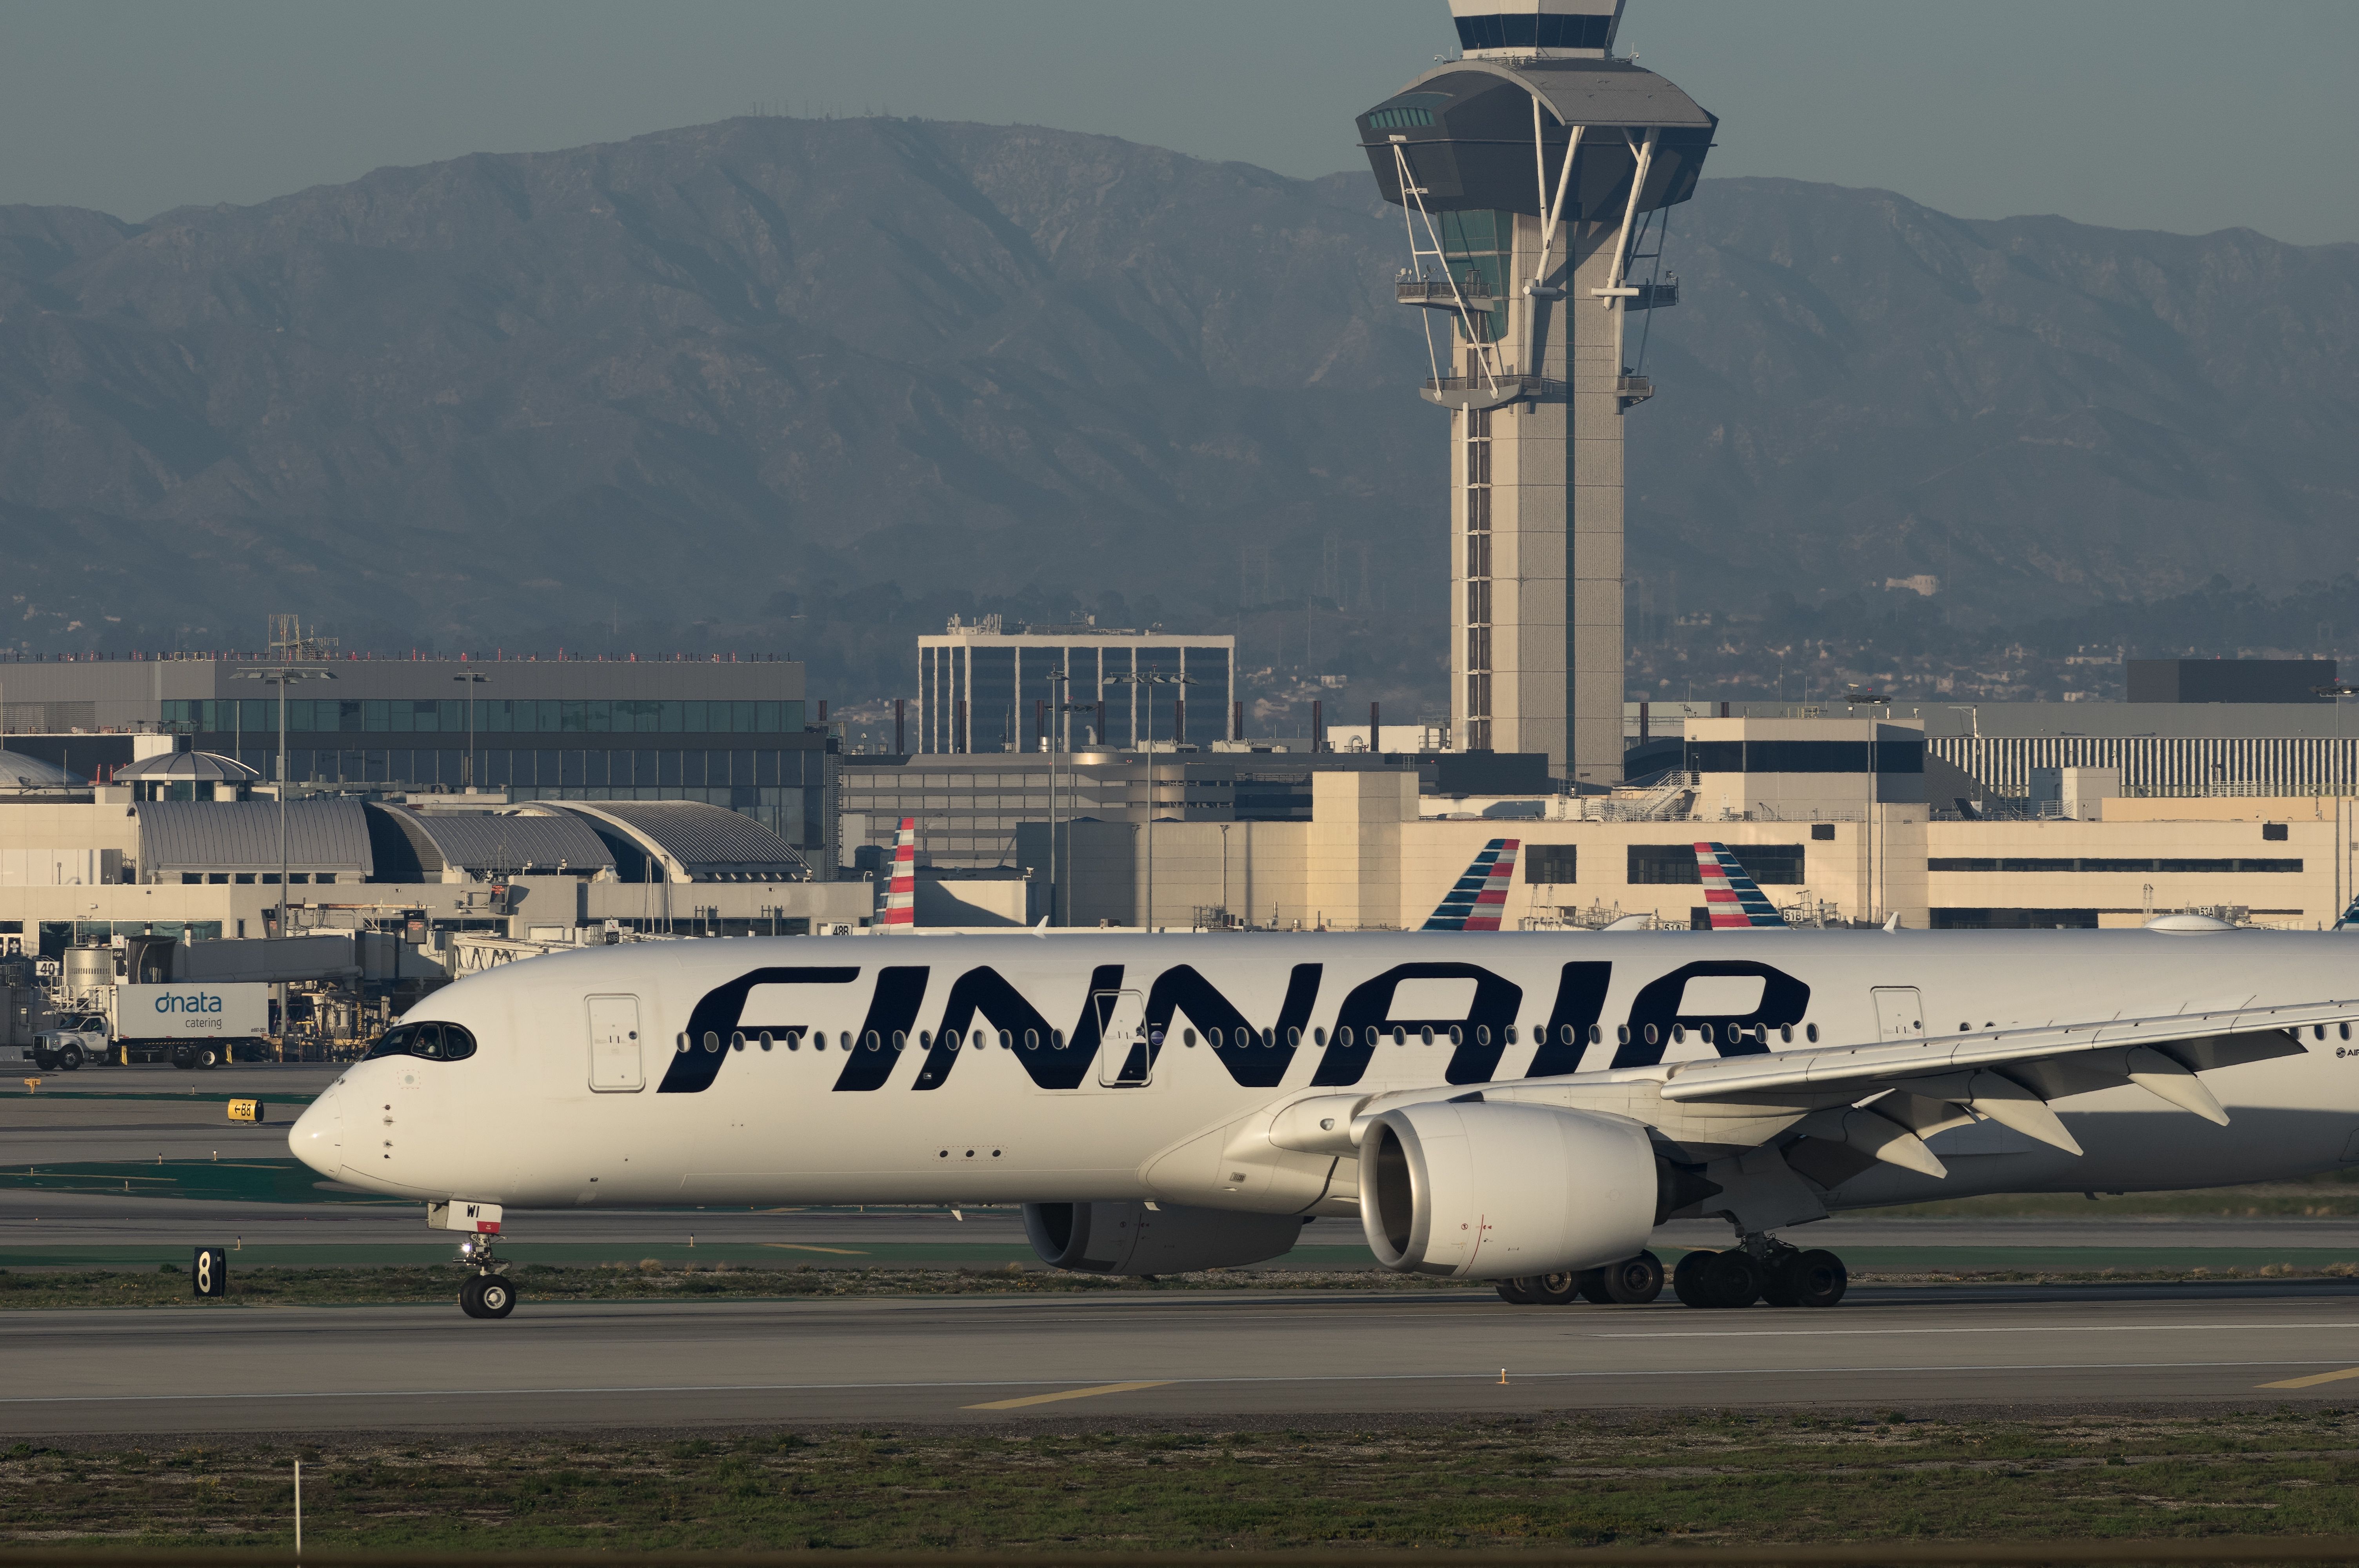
<point x="729" y="734"/>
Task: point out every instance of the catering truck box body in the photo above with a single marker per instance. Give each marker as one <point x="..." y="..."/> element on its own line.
<point x="191" y="1011"/>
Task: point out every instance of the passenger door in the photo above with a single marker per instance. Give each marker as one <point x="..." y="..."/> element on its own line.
<point x="615" y="1046"/>
<point x="1124" y="1062"/>
<point x="1899" y="1013"/>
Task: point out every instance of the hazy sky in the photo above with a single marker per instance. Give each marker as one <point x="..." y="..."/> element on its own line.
<point x="2145" y="114"/>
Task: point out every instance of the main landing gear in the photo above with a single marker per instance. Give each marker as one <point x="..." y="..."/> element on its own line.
<point x="488" y="1292"/>
<point x="1633" y="1281"/>
<point x="1761" y="1269"/>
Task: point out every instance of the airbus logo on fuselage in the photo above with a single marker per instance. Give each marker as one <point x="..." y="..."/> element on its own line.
<point x="1253" y="1055"/>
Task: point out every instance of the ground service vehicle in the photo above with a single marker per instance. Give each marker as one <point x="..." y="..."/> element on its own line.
<point x="195" y="1023"/>
<point x="72" y="1040"/>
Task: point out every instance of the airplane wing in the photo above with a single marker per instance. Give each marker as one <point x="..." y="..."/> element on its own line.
<point x="1859" y="1069"/>
<point x="1475" y="899"/>
<point x="1885" y="1098"/>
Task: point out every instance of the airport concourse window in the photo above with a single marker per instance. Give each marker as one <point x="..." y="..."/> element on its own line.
<point x="1552" y="863"/>
<point x="1771" y="865"/>
<point x="430" y="1042"/>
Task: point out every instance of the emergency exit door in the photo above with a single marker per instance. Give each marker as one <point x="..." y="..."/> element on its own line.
<point x="614" y="1045"/>
<point x="1899" y="1013"/>
<point x="1125" y="1055"/>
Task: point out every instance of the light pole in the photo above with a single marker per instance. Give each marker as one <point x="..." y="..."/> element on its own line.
<point x="471" y="681"/>
<point x="1057" y="685"/>
<point x="1870" y="701"/>
<point x="2336" y="691"/>
<point x="282" y="676"/>
<point x="1073" y="789"/>
<point x="1135" y="680"/>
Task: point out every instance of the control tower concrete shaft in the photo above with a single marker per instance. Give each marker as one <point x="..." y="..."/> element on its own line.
<point x="1533" y="173"/>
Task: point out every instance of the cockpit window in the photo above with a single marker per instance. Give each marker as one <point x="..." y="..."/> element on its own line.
<point x="434" y="1042"/>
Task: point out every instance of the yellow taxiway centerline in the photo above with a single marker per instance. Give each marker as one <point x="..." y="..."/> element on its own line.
<point x="799" y="1246"/>
<point x="2314" y="1380"/>
<point x="1068" y="1394"/>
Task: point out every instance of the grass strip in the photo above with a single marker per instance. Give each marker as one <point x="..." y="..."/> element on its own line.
<point x="1695" y="1479"/>
<point x="650" y="1279"/>
<point x="654" y="1279"/>
<point x="2315" y="1197"/>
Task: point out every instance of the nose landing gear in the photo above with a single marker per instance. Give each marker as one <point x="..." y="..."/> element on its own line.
<point x="488" y="1293"/>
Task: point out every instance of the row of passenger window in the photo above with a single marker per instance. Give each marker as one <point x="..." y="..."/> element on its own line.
<point x="1233" y="1040"/>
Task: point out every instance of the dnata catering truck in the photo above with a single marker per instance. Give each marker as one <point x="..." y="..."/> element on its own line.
<point x="194" y="1025"/>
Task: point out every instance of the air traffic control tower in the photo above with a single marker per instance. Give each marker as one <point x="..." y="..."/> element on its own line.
<point x="1536" y="174"/>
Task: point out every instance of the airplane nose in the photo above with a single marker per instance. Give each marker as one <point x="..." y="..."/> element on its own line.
<point x="317" y="1136"/>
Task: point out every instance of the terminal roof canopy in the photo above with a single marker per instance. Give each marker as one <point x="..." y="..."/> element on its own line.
<point x="685" y="841"/>
<point x="19" y="771"/>
<point x="243" y="836"/>
<point x="1466" y="129"/>
<point x="422" y="844"/>
<point x="197" y="767"/>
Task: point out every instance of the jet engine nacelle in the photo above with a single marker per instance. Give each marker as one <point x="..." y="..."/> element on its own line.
<point x="1496" y="1191"/>
<point x="1134" y="1238"/>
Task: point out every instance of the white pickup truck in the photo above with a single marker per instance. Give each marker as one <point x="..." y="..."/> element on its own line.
<point x="74" y="1039"/>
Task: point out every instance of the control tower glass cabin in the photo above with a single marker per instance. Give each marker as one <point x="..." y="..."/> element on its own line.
<point x="1535" y="175"/>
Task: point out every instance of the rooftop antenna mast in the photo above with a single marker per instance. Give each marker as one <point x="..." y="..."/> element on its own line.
<point x="290" y="644"/>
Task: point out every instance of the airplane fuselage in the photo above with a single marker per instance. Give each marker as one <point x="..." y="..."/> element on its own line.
<point x="1033" y="1068"/>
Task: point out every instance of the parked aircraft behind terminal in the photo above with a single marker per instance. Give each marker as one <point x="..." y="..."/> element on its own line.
<point x="1524" y="1108"/>
<point x="1474" y="902"/>
<point x="1732" y="896"/>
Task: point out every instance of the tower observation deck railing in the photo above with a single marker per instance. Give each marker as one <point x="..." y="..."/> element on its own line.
<point x="1658" y="296"/>
<point x="1438" y="294"/>
<point x="1488" y="392"/>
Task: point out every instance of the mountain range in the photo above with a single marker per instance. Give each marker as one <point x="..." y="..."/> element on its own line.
<point x="813" y="386"/>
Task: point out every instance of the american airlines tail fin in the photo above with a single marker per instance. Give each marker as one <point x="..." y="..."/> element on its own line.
<point x="2350" y="918"/>
<point x="901" y="896"/>
<point x="1475" y="903"/>
<point x="1730" y="894"/>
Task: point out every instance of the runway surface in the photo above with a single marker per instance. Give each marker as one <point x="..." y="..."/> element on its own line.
<point x="692" y="1363"/>
<point x="49" y="1219"/>
<point x="142" y="1112"/>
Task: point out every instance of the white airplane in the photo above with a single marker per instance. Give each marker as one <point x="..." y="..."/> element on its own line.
<point x="1522" y="1108"/>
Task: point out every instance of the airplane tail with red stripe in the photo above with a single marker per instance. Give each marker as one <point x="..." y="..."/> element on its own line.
<point x="1476" y="900"/>
<point x="1731" y="895"/>
<point x="901" y="895"/>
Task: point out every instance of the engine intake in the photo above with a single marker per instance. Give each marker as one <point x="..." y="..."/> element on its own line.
<point x="1132" y="1238"/>
<point x="1475" y="1190"/>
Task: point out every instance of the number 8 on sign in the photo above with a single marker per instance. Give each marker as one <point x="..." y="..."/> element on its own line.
<point x="210" y="1274"/>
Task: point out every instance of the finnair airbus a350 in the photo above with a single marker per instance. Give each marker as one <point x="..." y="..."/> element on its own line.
<point x="1522" y="1108"/>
